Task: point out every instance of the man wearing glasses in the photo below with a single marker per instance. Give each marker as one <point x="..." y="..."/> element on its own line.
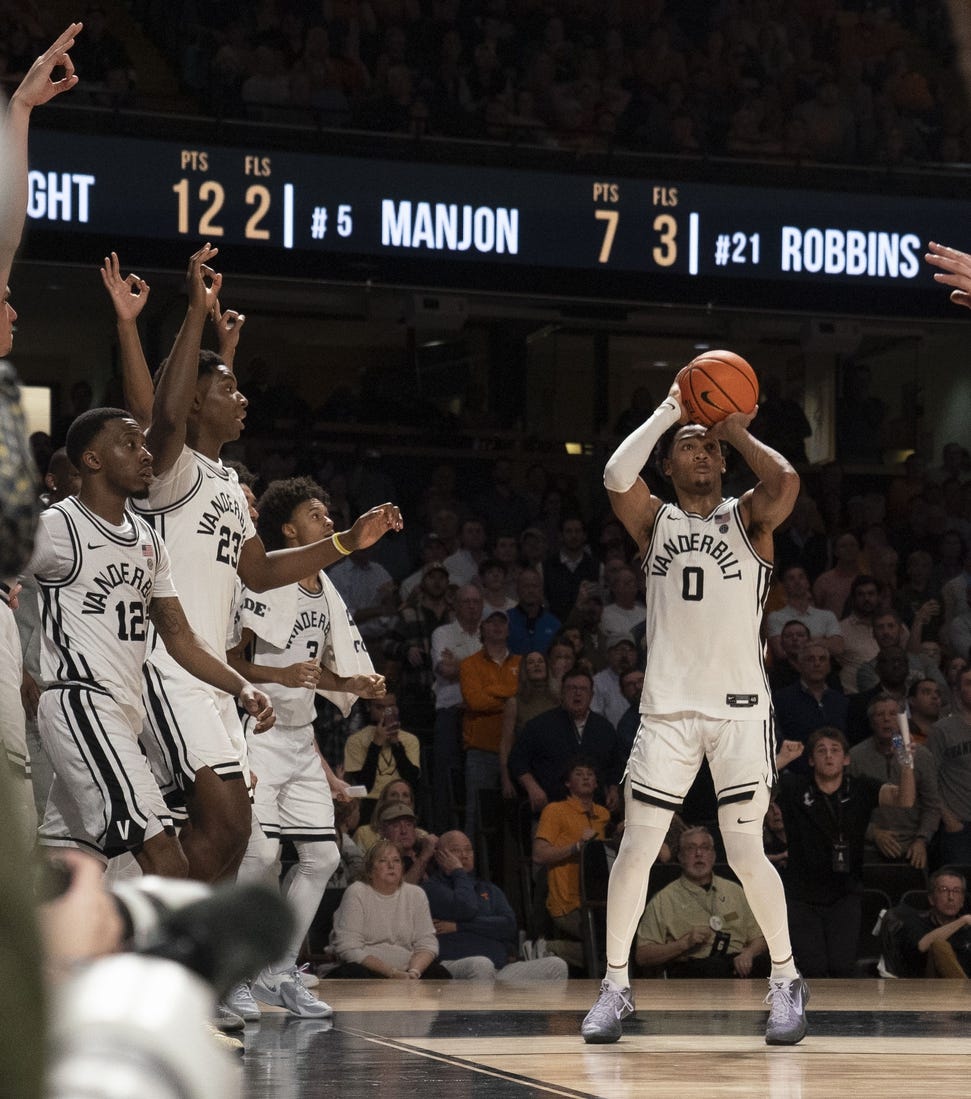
<point x="944" y="931"/>
<point x="701" y="924"/>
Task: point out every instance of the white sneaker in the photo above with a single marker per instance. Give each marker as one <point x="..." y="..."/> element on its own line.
<point x="787" y="1012"/>
<point x="308" y="977"/>
<point x="286" y="990"/>
<point x="240" y="1000"/>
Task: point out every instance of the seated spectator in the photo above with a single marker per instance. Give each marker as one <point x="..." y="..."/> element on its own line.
<point x="950" y="745"/>
<point x="433" y="552"/>
<point x="541" y="754"/>
<point x="476" y="927"/>
<point x="463" y="564"/>
<point x="810" y="703"/>
<point x="366" y="835"/>
<point x="890" y="632"/>
<point x="564" y="571"/>
<point x="919" y="590"/>
<point x="382" y="751"/>
<point x="382" y="927"/>
<point x="859" y="644"/>
<point x="564" y="826"/>
<point x="823" y="625"/>
<point x="774" y="837"/>
<point x="347" y="815"/>
<point x="924" y="708"/>
<point x="625" y="612"/>
<point x="944" y="929"/>
<point x="584" y="623"/>
<point x="413" y="628"/>
<point x="397" y="825"/>
<point x="784" y="671"/>
<point x="896" y="835"/>
<point x="533" y="697"/>
<point x="608" y="698"/>
<point x="700" y="925"/>
<point x="531" y="626"/>
<point x="492" y="582"/>
<point x="561" y="658"/>
<point x="832" y="588"/>
<point x="955" y="592"/>
<point x="631" y="687"/>
<point x="892" y="672"/>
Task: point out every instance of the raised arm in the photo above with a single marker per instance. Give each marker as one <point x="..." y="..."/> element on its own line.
<point x="36" y="88"/>
<point x="261" y="571"/>
<point x="129" y="296"/>
<point x="177" y="384"/>
<point x="630" y="498"/>
<point x="228" y="325"/>
<point x="767" y="505"/>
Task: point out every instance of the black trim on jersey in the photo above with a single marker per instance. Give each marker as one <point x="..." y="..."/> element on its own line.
<point x="735" y="799"/>
<point x="111" y="534"/>
<point x="650" y="542"/>
<point x="308" y="837"/>
<point x="166" y="728"/>
<point x="72" y="530"/>
<point x="71" y="667"/>
<point x="68" y="841"/>
<point x="652" y="799"/>
<point x="106" y="770"/>
<point x="736" y="511"/>
<point x="148" y="513"/>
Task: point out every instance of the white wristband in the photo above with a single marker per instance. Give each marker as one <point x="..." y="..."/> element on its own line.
<point x="625" y="464"/>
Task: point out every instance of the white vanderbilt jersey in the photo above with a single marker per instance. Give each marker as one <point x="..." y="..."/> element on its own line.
<point x="309" y="639"/>
<point x="200" y="512"/>
<point x="95" y="583"/>
<point x="706" y="589"/>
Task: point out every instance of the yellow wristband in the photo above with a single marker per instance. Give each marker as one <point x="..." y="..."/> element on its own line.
<point x="339" y="546"/>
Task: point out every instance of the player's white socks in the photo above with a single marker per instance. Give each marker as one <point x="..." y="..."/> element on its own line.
<point x="765" y="895"/>
<point x="627" y="893"/>
<point x="304" y="886"/>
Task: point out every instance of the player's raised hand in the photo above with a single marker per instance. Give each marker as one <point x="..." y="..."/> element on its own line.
<point x="955" y="270"/>
<point x="372" y="526"/>
<point x="256" y="703"/>
<point x="37" y="87"/>
<point x="227" y="323"/>
<point x="202" y="282"/>
<point x="129" y="295"/>
<point x="732" y="425"/>
<point x="675" y="394"/>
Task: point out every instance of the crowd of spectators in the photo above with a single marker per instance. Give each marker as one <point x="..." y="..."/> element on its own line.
<point x="836" y="82"/>
<point x="833" y="81"/>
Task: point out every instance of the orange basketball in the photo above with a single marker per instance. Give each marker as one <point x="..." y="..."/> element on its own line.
<point x="715" y="384"/>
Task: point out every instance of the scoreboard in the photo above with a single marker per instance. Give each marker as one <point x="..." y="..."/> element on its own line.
<point x="465" y="226"/>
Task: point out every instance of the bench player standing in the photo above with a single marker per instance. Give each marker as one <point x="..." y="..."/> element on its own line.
<point x="708" y="565"/>
<point x="103" y="573"/>
<point x="193" y="734"/>
<point x="288" y="642"/>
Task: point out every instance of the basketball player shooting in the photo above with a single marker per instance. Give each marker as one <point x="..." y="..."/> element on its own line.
<point x="708" y="563"/>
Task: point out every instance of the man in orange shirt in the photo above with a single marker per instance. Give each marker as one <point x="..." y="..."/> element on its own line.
<point x="488" y="678"/>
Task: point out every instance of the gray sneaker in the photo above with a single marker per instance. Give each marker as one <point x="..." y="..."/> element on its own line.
<point x="287" y="990"/>
<point x="603" y="1020"/>
<point x="227" y="1019"/>
<point x="240" y="1000"/>
<point x="787" y="1012"/>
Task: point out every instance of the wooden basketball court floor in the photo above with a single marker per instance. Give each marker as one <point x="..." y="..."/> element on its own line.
<point x="462" y="1040"/>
